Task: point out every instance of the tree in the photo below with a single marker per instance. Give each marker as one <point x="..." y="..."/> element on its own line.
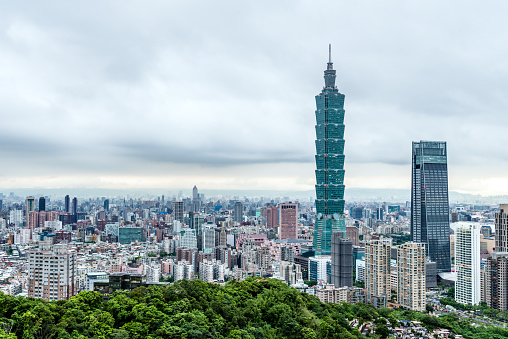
<point x="382" y="331"/>
<point x="429" y="308"/>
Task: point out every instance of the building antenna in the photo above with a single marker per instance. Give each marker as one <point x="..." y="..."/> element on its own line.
<point x="330" y="53"/>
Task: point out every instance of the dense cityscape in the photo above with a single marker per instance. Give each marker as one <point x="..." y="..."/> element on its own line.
<point x="443" y="264"/>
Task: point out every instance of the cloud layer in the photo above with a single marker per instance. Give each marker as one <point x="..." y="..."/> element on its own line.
<point x="177" y="93"/>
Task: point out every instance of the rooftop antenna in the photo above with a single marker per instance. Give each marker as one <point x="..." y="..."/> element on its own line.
<point x="330" y="53"/>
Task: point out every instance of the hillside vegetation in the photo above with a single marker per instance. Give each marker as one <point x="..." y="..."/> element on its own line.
<point x="254" y="308"/>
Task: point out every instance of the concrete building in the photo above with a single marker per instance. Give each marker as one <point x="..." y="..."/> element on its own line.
<point x="495" y="282"/>
<point x="188" y="238"/>
<point x="431" y="274"/>
<point x="238" y="212"/>
<point x="411" y="276"/>
<point x="377" y="272"/>
<point x="290" y="273"/>
<point x="501" y="222"/>
<point x="153" y="272"/>
<point x="320" y="268"/>
<point x="127" y="235"/>
<point x="332" y="294"/>
<point x="342" y="260"/>
<point x="93" y="277"/>
<point x="208" y="237"/>
<point x="30" y="204"/>
<point x="467" y="263"/>
<point x="183" y="270"/>
<point x="52" y="272"/>
<point x="16" y="218"/>
<point x="272" y="217"/>
<point x="353" y="233"/>
<point x="288" y="221"/>
<point x="178" y="210"/>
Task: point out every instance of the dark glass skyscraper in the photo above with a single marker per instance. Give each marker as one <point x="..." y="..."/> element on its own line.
<point x="329" y="163"/>
<point x="430" y="223"/>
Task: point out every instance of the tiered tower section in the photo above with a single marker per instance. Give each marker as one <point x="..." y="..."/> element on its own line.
<point x="329" y="162"/>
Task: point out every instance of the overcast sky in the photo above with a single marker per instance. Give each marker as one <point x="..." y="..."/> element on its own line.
<point x="220" y="94"/>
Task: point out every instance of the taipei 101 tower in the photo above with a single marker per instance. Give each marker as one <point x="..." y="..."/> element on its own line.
<point x="329" y="163"/>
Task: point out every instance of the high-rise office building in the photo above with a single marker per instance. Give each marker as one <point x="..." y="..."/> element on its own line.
<point x="377" y="272"/>
<point x="502" y="229"/>
<point x="467" y="263"/>
<point x="30" y="204"/>
<point x="127" y="235"/>
<point x="342" y="260"/>
<point x="411" y="276"/>
<point x="67" y="204"/>
<point x="42" y="204"/>
<point x="238" y="212"/>
<point x="272" y="217"/>
<point x="106" y="205"/>
<point x="430" y="222"/>
<point x="178" y="210"/>
<point x="288" y="221"/>
<point x="52" y="272"/>
<point x="329" y="163"/>
<point x="75" y="209"/>
<point x="1" y="204"/>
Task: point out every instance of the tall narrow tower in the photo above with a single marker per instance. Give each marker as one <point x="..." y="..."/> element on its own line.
<point x="430" y="222"/>
<point x="329" y="162"/>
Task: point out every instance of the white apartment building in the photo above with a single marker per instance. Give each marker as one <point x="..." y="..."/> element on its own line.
<point x="153" y="272"/>
<point x="411" y="276"/>
<point x="467" y="263"/>
<point x="188" y="238"/>
<point x="52" y="272"/>
<point x="318" y="267"/>
<point x="208" y="236"/>
<point x="16" y="218"/>
<point x="211" y="271"/>
<point x="183" y="270"/>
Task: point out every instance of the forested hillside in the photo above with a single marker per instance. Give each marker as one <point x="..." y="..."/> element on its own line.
<point x="255" y="308"/>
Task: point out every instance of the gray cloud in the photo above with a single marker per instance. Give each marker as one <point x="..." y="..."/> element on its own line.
<point x="110" y="87"/>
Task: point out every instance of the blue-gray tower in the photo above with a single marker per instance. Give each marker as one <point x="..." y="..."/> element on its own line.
<point x="430" y="213"/>
<point x="329" y="162"/>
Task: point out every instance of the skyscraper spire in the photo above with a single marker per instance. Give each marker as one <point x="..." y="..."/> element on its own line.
<point x="330" y="63"/>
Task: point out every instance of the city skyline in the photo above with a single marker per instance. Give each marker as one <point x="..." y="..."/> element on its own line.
<point x="94" y="100"/>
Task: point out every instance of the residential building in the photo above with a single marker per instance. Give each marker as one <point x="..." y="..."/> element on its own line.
<point x="183" y="270"/>
<point x="353" y="233"/>
<point x="332" y="294"/>
<point x="501" y="222"/>
<point x="467" y="263"/>
<point x="272" y="217"/>
<point x="320" y="268"/>
<point x="411" y="276"/>
<point x="188" y="238"/>
<point x="429" y="201"/>
<point x="52" y="272"/>
<point x="288" y="221"/>
<point x="377" y="272"/>
<point x="290" y="272"/>
<point x="495" y="282"/>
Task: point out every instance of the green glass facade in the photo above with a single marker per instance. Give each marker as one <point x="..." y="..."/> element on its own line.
<point x="329" y="163"/>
